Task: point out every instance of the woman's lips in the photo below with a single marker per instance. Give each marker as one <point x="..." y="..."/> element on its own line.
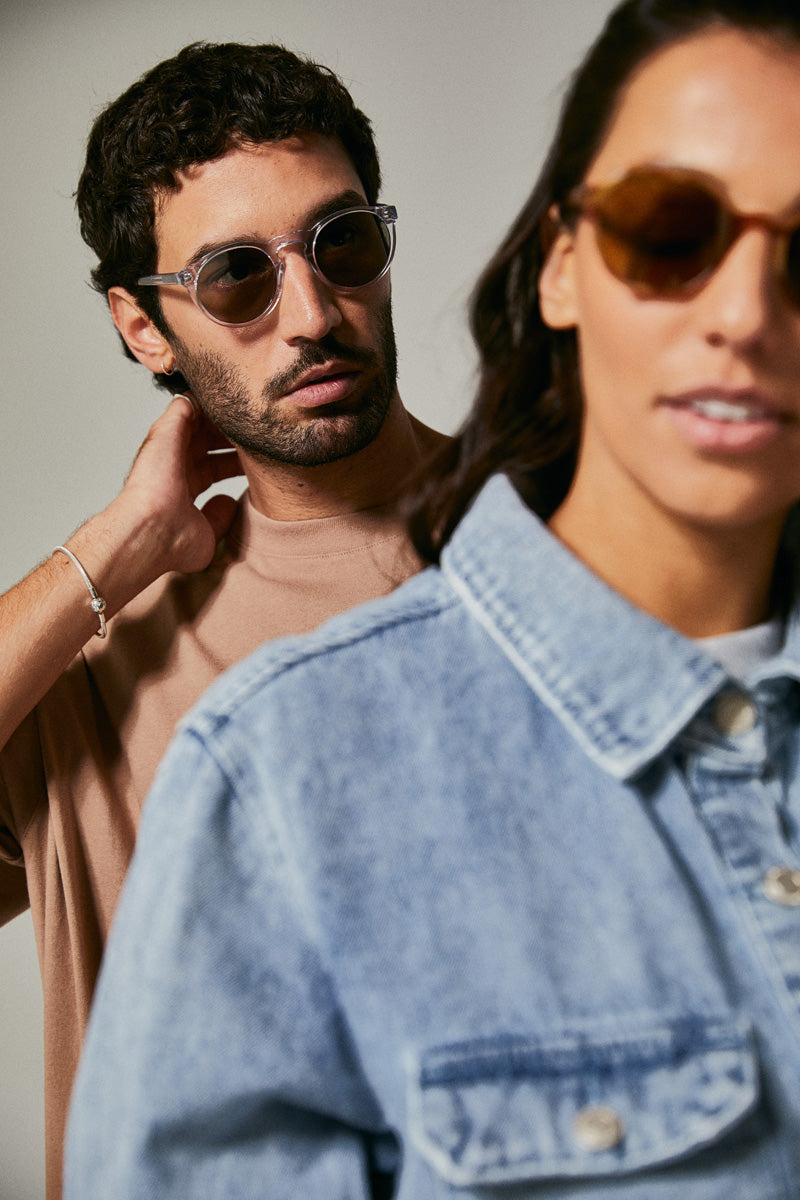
<point x="725" y="422"/>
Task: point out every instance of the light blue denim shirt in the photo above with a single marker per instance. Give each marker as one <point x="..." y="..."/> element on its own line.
<point x="496" y="879"/>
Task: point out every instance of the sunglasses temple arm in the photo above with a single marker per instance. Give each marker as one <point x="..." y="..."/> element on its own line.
<point x="183" y="277"/>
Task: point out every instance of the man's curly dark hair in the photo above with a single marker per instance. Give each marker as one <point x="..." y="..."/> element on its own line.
<point x="191" y="109"/>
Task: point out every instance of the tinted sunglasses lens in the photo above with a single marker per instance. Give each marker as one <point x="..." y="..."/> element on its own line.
<point x="237" y="285"/>
<point x="353" y="249"/>
<point x="660" y="235"/>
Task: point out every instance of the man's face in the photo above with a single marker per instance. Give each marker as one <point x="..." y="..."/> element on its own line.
<point x="312" y="381"/>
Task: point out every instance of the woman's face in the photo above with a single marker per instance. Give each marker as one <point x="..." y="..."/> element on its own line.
<point x="692" y="405"/>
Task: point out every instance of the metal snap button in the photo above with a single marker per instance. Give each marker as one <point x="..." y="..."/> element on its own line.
<point x="782" y="886"/>
<point x="734" y="713"/>
<point x="598" y="1128"/>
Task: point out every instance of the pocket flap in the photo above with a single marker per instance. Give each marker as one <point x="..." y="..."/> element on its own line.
<point x="581" y="1104"/>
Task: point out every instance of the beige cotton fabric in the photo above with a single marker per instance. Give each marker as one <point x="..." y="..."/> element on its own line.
<point x="75" y="775"/>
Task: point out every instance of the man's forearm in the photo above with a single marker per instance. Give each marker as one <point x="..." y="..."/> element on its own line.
<point x="152" y="527"/>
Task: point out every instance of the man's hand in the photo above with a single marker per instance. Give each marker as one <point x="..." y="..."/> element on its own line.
<point x="181" y="457"/>
<point x="153" y="526"/>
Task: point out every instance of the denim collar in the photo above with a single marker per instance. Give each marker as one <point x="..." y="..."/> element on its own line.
<point x="623" y="683"/>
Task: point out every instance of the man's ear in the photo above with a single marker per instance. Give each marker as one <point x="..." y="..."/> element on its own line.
<point x="557" y="300"/>
<point x="140" y="334"/>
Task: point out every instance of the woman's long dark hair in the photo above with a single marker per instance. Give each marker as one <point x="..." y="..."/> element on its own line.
<point x="526" y="417"/>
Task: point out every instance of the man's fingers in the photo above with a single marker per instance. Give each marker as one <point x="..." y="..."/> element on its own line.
<point x="225" y="464"/>
<point x="193" y="405"/>
<point x="213" y="468"/>
<point x="219" y="511"/>
<point x="212" y="439"/>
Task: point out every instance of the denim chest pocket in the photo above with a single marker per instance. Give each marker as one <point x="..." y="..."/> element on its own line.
<point x="581" y="1105"/>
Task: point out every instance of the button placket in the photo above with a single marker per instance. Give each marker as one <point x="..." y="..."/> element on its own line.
<point x="734" y="713"/>
<point x="735" y="769"/>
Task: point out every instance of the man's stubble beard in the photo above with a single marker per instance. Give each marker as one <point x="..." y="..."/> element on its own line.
<point x="260" y="427"/>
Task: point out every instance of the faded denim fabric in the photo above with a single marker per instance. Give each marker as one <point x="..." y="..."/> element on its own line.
<point x="491" y="882"/>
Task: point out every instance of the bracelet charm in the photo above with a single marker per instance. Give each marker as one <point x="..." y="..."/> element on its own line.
<point x="98" y="604"/>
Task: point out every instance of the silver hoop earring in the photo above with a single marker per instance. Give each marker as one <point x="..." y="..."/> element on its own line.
<point x="164" y="370"/>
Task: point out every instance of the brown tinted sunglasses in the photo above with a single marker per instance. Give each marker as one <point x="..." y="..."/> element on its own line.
<point x="665" y="231"/>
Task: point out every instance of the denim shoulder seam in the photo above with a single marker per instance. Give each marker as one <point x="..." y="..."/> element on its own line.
<point x="277" y="658"/>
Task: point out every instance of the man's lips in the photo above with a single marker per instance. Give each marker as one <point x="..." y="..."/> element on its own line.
<point x="322" y="385"/>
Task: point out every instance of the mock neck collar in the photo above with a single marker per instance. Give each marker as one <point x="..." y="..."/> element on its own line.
<point x="343" y="533"/>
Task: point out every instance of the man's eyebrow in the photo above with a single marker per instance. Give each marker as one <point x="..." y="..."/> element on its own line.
<point x="349" y="198"/>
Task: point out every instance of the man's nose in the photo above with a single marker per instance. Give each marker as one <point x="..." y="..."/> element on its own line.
<point x="308" y="308"/>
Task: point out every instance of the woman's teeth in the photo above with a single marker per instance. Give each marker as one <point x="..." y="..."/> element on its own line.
<point x="725" y="410"/>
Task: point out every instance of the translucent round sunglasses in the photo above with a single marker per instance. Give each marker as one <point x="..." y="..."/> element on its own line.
<point x="237" y="285"/>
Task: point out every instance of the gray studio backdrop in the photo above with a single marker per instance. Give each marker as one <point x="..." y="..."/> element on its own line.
<point x="462" y="94"/>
